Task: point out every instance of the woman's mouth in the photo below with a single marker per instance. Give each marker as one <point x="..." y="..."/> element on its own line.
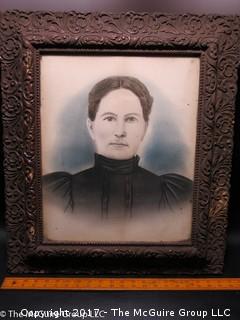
<point x="118" y="145"/>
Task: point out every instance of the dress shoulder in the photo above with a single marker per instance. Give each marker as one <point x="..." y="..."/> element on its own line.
<point x="57" y="188"/>
<point x="174" y="189"/>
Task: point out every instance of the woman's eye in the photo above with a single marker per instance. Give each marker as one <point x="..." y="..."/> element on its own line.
<point x="131" y="119"/>
<point x="109" y="118"/>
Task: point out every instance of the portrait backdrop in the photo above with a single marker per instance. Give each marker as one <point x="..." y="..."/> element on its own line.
<point x="168" y="147"/>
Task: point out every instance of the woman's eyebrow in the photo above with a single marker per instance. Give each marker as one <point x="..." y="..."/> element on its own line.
<point x="108" y="114"/>
<point x="132" y="114"/>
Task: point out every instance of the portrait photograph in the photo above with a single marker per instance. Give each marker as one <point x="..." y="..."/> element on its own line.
<point x="118" y="141"/>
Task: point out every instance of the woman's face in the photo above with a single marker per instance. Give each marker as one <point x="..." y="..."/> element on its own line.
<point x="119" y="126"/>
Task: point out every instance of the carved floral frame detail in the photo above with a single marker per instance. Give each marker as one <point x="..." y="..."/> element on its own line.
<point x="213" y="38"/>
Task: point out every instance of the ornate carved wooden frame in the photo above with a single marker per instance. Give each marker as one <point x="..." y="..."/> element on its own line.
<point x="212" y="38"/>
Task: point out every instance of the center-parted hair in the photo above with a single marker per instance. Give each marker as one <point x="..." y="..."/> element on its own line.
<point x="103" y="87"/>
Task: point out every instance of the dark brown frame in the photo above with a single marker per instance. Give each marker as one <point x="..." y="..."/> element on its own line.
<point x="23" y="37"/>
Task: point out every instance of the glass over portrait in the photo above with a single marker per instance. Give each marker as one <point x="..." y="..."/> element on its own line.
<point x="118" y="146"/>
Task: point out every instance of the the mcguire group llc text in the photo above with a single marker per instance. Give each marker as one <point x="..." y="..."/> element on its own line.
<point x="117" y="313"/>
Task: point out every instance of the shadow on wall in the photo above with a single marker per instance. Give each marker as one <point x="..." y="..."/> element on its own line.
<point x="194" y="6"/>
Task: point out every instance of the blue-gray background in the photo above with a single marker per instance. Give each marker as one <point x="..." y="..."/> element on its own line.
<point x="75" y="149"/>
<point x="170" y="140"/>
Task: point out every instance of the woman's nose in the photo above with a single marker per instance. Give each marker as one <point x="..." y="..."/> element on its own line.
<point x="120" y="129"/>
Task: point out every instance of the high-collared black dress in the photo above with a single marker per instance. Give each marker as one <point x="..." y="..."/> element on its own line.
<point x="116" y="188"/>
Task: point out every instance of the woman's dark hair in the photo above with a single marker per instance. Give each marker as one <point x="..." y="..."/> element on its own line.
<point x="103" y="87"/>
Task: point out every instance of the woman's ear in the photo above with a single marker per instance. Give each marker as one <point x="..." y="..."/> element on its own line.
<point x="90" y="128"/>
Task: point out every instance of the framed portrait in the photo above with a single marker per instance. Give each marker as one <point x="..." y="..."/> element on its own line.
<point x="160" y="146"/>
<point x="118" y="133"/>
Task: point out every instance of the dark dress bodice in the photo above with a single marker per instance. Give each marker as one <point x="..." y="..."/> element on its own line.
<point x="116" y="188"/>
